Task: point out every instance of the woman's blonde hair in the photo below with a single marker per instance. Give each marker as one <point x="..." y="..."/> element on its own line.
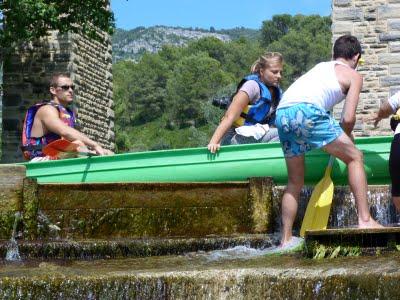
<point x="265" y="61"/>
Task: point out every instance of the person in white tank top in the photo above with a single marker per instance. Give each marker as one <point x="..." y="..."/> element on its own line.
<point x="304" y="123"/>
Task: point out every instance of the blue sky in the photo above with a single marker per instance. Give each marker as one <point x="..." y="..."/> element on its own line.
<point x="221" y="14"/>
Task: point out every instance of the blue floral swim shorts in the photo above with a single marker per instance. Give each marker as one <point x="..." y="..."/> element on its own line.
<point x="304" y="127"/>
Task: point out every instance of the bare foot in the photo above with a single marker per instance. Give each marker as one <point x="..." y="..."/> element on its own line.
<point x="371" y="223"/>
<point x="285" y="239"/>
<point x="293" y="244"/>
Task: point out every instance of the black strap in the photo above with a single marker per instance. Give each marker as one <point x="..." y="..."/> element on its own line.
<point x="31" y="147"/>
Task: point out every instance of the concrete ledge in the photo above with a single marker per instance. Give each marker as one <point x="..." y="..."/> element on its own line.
<point x="135" y="210"/>
<point x="359" y="241"/>
<point x="185" y="277"/>
<point x="129" y="248"/>
<point x="11" y="184"/>
<point x="11" y="196"/>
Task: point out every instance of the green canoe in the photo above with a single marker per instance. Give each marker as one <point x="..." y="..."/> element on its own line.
<point x="232" y="163"/>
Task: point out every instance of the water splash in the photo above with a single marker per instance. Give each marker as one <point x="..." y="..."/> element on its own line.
<point x="46" y="226"/>
<point x="247" y="252"/>
<point x="12" y="248"/>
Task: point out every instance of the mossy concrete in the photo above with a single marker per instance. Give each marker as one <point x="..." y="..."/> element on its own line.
<point x="11" y="196"/>
<point x="185" y="277"/>
<point x="133" y="210"/>
<point x="90" y="249"/>
<point x="349" y="241"/>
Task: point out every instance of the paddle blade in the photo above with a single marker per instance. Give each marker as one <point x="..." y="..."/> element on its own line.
<point x="319" y="206"/>
<point x="57" y="147"/>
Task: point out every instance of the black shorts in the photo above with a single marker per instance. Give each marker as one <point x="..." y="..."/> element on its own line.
<point x="394" y="165"/>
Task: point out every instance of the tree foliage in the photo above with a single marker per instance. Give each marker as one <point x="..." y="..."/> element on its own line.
<point x="26" y="20"/>
<point x="302" y="40"/>
<point x="194" y="80"/>
<point x="164" y="100"/>
<point x="273" y="30"/>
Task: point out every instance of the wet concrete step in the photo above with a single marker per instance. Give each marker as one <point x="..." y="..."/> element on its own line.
<point x="354" y="241"/>
<point x="90" y="249"/>
<point x="205" y="276"/>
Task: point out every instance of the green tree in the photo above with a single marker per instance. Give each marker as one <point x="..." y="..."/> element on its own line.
<point x="148" y="90"/>
<point x="273" y="30"/>
<point x="307" y="42"/>
<point x="26" y="20"/>
<point x="193" y="80"/>
<point x="214" y="47"/>
<point x="123" y="74"/>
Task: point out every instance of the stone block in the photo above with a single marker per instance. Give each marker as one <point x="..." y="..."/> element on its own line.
<point x="347" y="14"/>
<point x="393" y="25"/>
<point x="388" y="11"/>
<point x="390" y="80"/>
<point x="389" y="58"/>
<point x="392" y="36"/>
<point x="156" y="209"/>
<point x="342" y="28"/>
<point x="10" y="124"/>
<point x="11" y="99"/>
<point x="342" y="3"/>
<point x="394" y="46"/>
<point x="394" y="69"/>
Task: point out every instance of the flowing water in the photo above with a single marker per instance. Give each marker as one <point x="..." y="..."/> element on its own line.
<point x="199" y="277"/>
<point x="232" y="271"/>
<point x="12" y="247"/>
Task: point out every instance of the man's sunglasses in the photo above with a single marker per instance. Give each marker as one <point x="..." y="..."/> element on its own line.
<point x="66" y="87"/>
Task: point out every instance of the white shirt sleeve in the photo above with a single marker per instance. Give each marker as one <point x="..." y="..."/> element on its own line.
<point x="394" y="101"/>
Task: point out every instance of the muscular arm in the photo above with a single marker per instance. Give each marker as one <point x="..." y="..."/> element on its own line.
<point x="240" y="101"/>
<point x="350" y="79"/>
<point x="385" y="110"/>
<point x="48" y="116"/>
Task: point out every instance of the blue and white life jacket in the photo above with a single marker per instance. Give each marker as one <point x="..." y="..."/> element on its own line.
<point x="262" y="110"/>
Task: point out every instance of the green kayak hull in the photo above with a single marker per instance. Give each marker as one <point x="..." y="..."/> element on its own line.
<point x="232" y="163"/>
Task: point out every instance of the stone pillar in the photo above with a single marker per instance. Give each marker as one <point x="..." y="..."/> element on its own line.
<point x="27" y="73"/>
<point x="376" y="23"/>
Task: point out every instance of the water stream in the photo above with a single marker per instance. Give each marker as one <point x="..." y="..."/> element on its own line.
<point x="12" y="247"/>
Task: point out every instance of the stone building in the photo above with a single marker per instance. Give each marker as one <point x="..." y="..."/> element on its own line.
<point x="377" y="25"/>
<point x="26" y="81"/>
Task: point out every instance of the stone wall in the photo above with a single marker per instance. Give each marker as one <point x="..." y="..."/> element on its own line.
<point x="26" y="81"/>
<point x="377" y="25"/>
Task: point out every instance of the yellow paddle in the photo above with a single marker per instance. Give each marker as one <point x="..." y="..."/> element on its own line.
<point x="319" y="206"/>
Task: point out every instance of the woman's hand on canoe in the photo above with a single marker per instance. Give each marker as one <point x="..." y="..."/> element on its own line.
<point x="213" y="147"/>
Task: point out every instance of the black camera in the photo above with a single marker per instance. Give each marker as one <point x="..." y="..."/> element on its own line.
<point x="222" y="102"/>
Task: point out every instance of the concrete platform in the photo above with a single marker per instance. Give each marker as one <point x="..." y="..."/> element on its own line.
<point x="368" y="241"/>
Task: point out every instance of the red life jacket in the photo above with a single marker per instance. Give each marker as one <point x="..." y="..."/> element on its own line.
<point x="32" y="146"/>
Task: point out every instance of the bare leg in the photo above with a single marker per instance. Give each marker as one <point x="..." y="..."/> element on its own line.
<point x="344" y="149"/>
<point x="290" y="199"/>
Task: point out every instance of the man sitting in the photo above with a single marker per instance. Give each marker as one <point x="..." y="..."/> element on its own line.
<point x="52" y="120"/>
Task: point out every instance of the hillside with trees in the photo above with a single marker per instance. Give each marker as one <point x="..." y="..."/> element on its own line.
<point x="163" y="100"/>
<point x="132" y="44"/>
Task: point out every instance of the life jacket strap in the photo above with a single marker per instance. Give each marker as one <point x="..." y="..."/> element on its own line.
<point x="31" y="147"/>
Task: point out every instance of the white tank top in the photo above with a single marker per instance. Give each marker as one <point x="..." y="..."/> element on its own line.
<point x="319" y="86"/>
